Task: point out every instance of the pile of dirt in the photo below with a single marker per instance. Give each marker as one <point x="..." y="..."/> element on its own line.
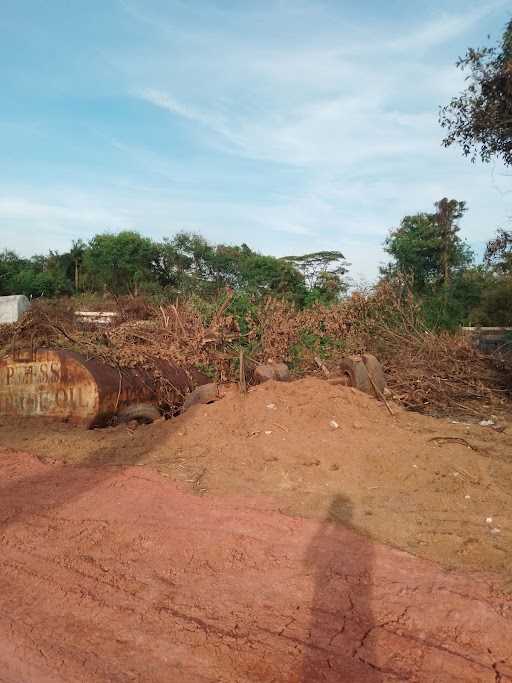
<point x="437" y="489"/>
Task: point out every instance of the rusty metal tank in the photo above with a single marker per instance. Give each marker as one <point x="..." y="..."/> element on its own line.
<point x="68" y="386"/>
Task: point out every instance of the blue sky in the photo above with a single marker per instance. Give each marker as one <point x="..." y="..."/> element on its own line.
<point x="292" y="125"/>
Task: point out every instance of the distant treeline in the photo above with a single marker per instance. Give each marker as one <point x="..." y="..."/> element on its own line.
<point x="129" y="263"/>
<point x="426" y="253"/>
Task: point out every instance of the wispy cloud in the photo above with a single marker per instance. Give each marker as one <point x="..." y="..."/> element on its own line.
<point x="207" y="118"/>
<point x="339" y="103"/>
<point x="443" y="28"/>
<point x="287" y="125"/>
<point x="170" y="104"/>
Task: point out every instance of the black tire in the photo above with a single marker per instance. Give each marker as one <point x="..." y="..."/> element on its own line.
<point x="144" y="413"/>
<point x="206" y="393"/>
<point x="376" y="372"/>
<point x="354" y="369"/>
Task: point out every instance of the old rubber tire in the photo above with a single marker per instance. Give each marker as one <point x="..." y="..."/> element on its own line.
<point x="275" y="371"/>
<point x="206" y="393"/>
<point x="144" y="413"/>
<point x="354" y="369"/>
<point x="376" y="372"/>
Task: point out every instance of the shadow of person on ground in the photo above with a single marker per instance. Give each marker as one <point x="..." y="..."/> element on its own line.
<point x="340" y="638"/>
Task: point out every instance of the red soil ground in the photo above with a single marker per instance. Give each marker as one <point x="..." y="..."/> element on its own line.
<point x="116" y="574"/>
<point x="424" y="485"/>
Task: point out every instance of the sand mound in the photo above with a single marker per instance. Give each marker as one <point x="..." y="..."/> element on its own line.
<point x="421" y="484"/>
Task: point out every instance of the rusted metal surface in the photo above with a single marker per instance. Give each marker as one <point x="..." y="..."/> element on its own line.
<point x="68" y="386"/>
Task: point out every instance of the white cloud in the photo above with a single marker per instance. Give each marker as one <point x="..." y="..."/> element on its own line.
<point x="337" y="117"/>
<point x="318" y="106"/>
<point x="160" y="99"/>
<point x="54" y="216"/>
<point x="443" y="28"/>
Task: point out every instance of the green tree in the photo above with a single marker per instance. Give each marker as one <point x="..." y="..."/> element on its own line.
<point x="415" y="249"/>
<point x="198" y="253"/>
<point x="38" y="276"/>
<point x="427" y="246"/>
<point x="269" y="275"/>
<point x="34" y="283"/>
<point x="448" y="212"/>
<point x="172" y="266"/>
<point x="324" y="274"/>
<point x="123" y="263"/>
<point x="193" y="264"/>
<point x="498" y="252"/>
<point x="456" y="305"/>
<point x="495" y="306"/>
<point x="10" y="266"/>
<point x="74" y="262"/>
<point x="480" y="118"/>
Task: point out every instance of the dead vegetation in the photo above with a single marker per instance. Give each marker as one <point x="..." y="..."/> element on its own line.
<point x="435" y="373"/>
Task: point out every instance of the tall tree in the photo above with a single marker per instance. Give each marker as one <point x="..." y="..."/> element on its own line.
<point x="427" y="246"/>
<point x="76" y="254"/>
<point x="448" y="212"/>
<point x="480" y="118"/>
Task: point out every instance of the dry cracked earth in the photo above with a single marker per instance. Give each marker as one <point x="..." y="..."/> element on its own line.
<point x="210" y="548"/>
<point x="117" y="575"/>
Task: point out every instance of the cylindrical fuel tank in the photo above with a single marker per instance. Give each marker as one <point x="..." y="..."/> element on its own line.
<point x="69" y="386"/>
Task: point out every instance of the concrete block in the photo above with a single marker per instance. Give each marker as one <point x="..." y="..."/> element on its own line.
<point x="12" y="308"/>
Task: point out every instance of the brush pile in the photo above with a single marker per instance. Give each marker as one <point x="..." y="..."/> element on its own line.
<point x="435" y="373"/>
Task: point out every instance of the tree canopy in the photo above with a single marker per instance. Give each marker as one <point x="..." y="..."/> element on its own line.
<point x="130" y="263"/>
<point x="121" y="263"/>
<point x="324" y="274"/>
<point x="427" y="247"/>
<point x="498" y="253"/>
<point x="480" y="118"/>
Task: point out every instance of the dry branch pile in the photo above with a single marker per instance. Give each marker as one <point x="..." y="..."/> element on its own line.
<point x="434" y="373"/>
<point x="437" y="373"/>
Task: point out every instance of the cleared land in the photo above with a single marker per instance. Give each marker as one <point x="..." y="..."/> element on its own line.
<point x="244" y="541"/>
